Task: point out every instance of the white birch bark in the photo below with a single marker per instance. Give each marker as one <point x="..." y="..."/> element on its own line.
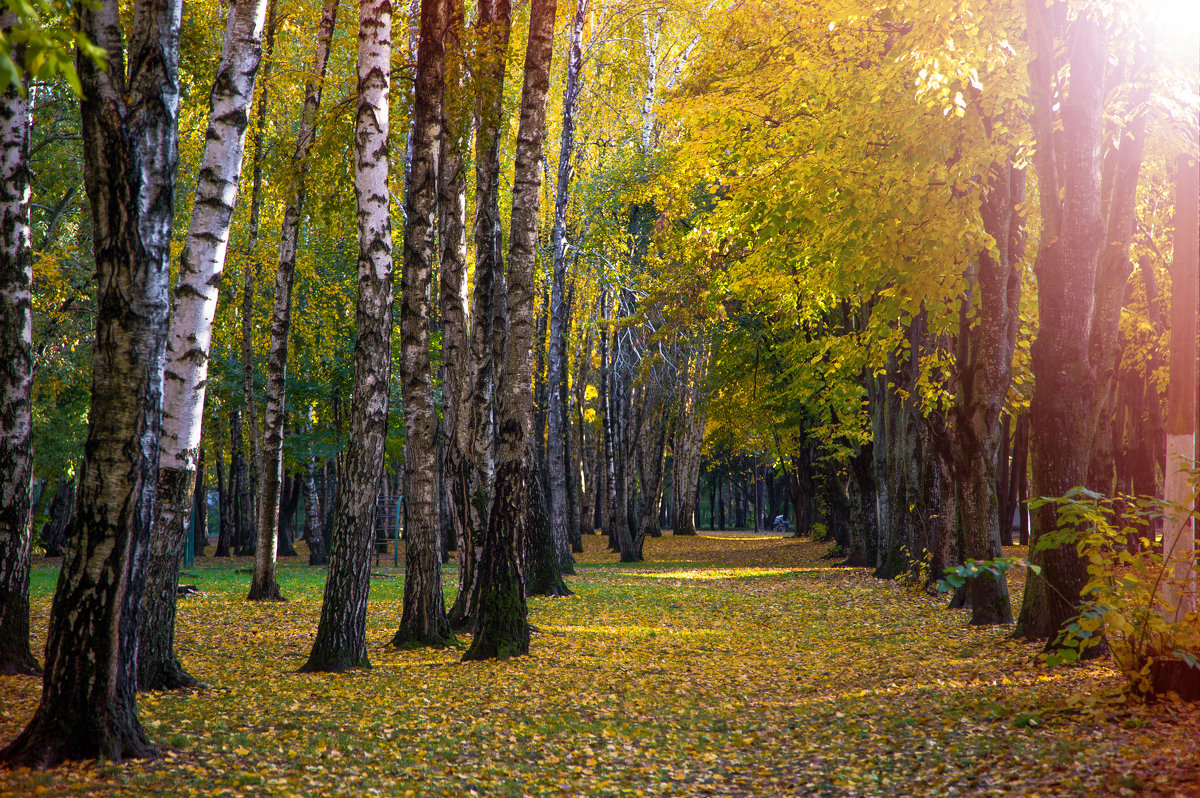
<point x="201" y="265"/>
<point x="341" y="640"/>
<point x="16" y="376"/>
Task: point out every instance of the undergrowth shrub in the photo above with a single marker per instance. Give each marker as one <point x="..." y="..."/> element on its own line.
<point x="1123" y="601"/>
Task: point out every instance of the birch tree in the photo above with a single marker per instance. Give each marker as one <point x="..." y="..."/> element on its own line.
<point x="341" y="641"/>
<point x="16" y="374"/>
<point x="501" y="624"/>
<point x="424" y="618"/>
<point x="129" y="109"/>
<point x="556" y="357"/>
<point x="264" y="586"/>
<point x="201" y="265"/>
<point x="469" y="462"/>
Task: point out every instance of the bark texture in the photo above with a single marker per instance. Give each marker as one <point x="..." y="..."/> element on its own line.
<point x="1068" y="168"/>
<point x="341" y="641"/>
<point x="501" y="625"/>
<point x="557" y="354"/>
<point x="201" y="265"/>
<point x="471" y="462"/>
<point x="264" y="585"/>
<point x="16" y="376"/>
<point x="983" y="385"/>
<point x="129" y="113"/>
<point x="423" y="622"/>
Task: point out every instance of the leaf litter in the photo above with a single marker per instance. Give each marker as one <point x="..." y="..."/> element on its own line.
<point x="724" y="665"/>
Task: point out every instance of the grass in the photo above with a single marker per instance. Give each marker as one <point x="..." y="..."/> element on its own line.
<point x="723" y="666"/>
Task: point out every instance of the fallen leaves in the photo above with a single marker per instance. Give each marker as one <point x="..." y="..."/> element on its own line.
<point x="720" y="667"/>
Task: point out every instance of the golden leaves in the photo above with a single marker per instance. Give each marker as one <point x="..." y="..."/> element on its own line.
<point x="726" y="665"/>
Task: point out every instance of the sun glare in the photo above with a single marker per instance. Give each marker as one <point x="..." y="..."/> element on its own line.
<point x="1177" y="25"/>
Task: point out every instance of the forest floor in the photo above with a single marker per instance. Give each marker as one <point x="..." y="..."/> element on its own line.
<point x="733" y="665"/>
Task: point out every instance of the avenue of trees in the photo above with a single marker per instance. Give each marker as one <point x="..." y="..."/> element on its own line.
<point x="904" y="266"/>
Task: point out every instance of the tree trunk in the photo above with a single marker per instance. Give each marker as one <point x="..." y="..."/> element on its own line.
<point x="252" y="267"/>
<point x="341" y="641"/>
<point x="53" y="535"/>
<point x="471" y="476"/>
<point x="129" y="122"/>
<point x="557" y="354"/>
<point x="16" y="374"/>
<point x="200" y="504"/>
<point x="1119" y="203"/>
<point x="1179" y="542"/>
<point x="287" y="515"/>
<point x="983" y="385"/>
<point x="313" y="532"/>
<point x="1072" y="237"/>
<point x="543" y="577"/>
<point x="423" y="622"/>
<point x="653" y="455"/>
<point x="501" y="625"/>
<point x="201" y="265"/>
<point x="242" y="539"/>
<point x="224" y="506"/>
<point x="615" y="517"/>
<point x="264" y="586"/>
<point x="452" y="286"/>
<point x="689" y="438"/>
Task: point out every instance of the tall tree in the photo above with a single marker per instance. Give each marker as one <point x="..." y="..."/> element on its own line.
<point x="16" y="374"/>
<point x="253" y="264"/>
<point x="1068" y="125"/>
<point x="471" y="461"/>
<point x="129" y="111"/>
<point x="341" y="641"/>
<point x="983" y="383"/>
<point x="501" y="625"/>
<point x="201" y="265"/>
<point x="1179" y="542"/>
<point x="423" y="622"/>
<point x="264" y="586"/>
<point x="452" y="284"/>
<point x="556" y="357"/>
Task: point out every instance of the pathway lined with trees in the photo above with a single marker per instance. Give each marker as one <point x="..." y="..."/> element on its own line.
<point x="902" y="279"/>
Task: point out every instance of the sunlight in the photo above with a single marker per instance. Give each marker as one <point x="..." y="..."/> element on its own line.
<point x="705" y="574"/>
<point x="1176" y="23"/>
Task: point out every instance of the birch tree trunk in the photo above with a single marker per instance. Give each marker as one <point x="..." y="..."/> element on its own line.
<point x="252" y="267"/>
<point x="556" y="357"/>
<point x="423" y="622"/>
<point x="471" y="461"/>
<point x="452" y="234"/>
<point x="16" y="375"/>
<point x="689" y="439"/>
<point x="616" y="520"/>
<point x="129" y="122"/>
<point x="201" y="265"/>
<point x="264" y="586"/>
<point x="501" y="624"/>
<point x="341" y="641"/>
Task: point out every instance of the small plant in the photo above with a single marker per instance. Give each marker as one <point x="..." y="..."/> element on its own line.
<point x="918" y="576"/>
<point x="1123" y="601"/>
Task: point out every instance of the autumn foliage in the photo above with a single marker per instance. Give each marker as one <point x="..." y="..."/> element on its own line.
<point x="734" y="665"/>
